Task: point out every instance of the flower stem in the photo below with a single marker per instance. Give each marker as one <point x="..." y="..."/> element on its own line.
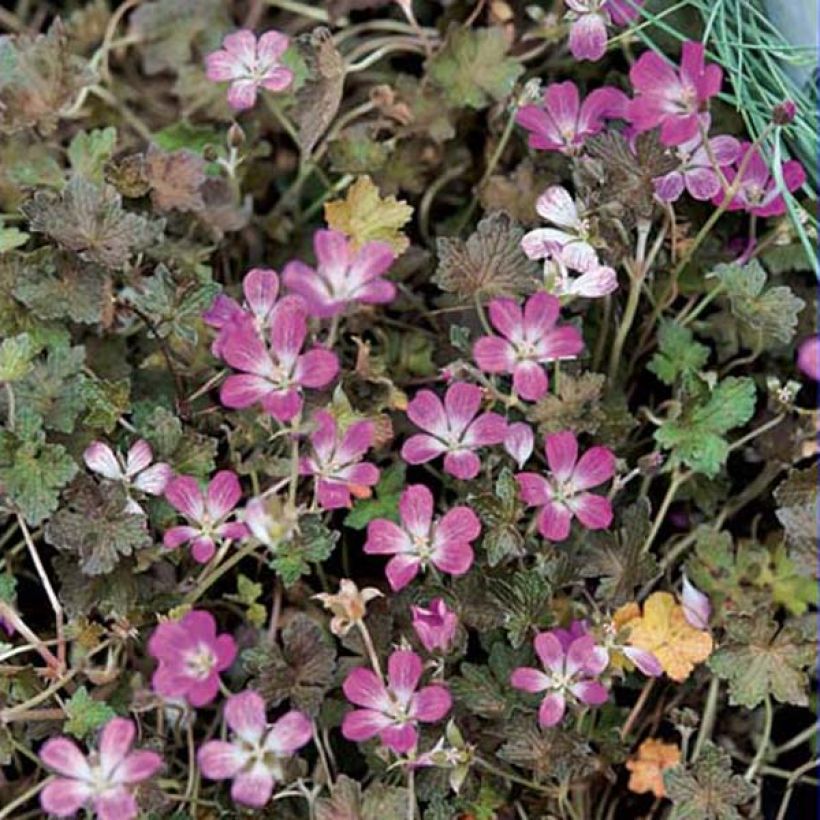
<point x="764" y="741"/>
<point x="707" y="721"/>
<point x="411" y="793"/>
<point x="675" y="483"/>
<point x="371" y="649"/>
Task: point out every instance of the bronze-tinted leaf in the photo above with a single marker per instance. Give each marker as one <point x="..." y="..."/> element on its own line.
<point x="176" y="179"/>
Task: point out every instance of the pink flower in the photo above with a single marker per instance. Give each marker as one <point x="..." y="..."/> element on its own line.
<point x="696" y="606"/>
<point x="759" y="191"/>
<point x="255" y="757"/>
<point x="622" y="12"/>
<point x="337" y="461"/>
<point x="571" y="665"/>
<point x="133" y="473"/>
<point x="587" y="34"/>
<point x="190" y="656"/>
<point x="103" y="780"/>
<point x="563" y="123"/>
<point x="696" y="172"/>
<point x="275" y="377"/>
<point x="808" y="357"/>
<point x="261" y="288"/>
<point x="452" y="428"/>
<point x="392" y="712"/>
<point x="342" y="274"/>
<point x="519" y="442"/>
<point x="531" y="338"/>
<point x="596" y="280"/>
<point x="206" y="513"/>
<point x="249" y="64"/>
<point x="436" y="626"/>
<point x="672" y="99"/>
<point x="445" y="543"/>
<point x="563" y="495"/>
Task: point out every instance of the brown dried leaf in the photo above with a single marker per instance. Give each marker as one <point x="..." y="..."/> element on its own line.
<point x="577" y="406"/>
<point x="176" y="179"/>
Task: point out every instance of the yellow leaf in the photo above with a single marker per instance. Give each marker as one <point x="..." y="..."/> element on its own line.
<point x="664" y="631"/>
<point x="364" y="215"/>
<point x="646" y="769"/>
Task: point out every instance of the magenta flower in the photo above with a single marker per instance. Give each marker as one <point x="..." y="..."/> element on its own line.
<point x="248" y="64"/>
<point x="673" y="99"/>
<point x="261" y="289"/>
<point x="563" y="123"/>
<point x="571" y="665"/>
<point x="808" y="357"/>
<point x="336" y="461"/>
<point x="134" y="473"/>
<point x="254" y="758"/>
<point x="531" y="338"/>
<point x="103" y="780"/>
<point x="563" y="495"/>
<point x="696" y="173"/>
<point x="190" y="655"/>
<point x="207" y="513"/>
<point x="275" y="377"/>
<point x="392" y="712"/>
<point x="452" y="428"/>
<point x="445" y="543"/>
<point x="436" y="627"/>
<point x="759" y="192"/>
<point x="342" y="274"/>
<point x="623" y="12"/>
<point x="519" y="442"/>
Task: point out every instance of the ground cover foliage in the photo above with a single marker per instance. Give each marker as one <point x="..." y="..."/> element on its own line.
<point x="408" y="411"/>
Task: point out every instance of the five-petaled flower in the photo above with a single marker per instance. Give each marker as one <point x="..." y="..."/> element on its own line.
<point x="104" y="780"/>
<point x="563" y="495"/>
<point x="672" y="99"/>
<point x="444" y="543"/>
<point x="342" y="274"/>
<point x="274" y="377"/>
<point x="135" y="472"/>
<point x="254" y="758"/>
<point x="452" y="429"/>
<point x="190" y="655"/>
<point x="207" y="513"/>
<point x="393" y="711"/>
<point x="249" y="64"/>
<point x="435" y="626"/>
<point x="572" y="661"/>
<point x="336" y="461"/>
<point x="563" y="122"/>
<point x="531" y="338"/>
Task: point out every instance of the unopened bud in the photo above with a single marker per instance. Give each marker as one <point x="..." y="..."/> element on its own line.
<point x="784" y="113"/>
<point x="236" y="136"/>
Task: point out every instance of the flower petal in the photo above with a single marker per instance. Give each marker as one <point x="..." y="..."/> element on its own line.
<point x="100" y="458"/>
<point x="253" y="788"/>
<point x="116" y="740"/>
<point x="426" y="411"/>
<point x="404" y="668"/>
<point x="590" y="692"/>
<point x="416" y="510"/>
<point x="219" y="760"/>
<point x="431" y="703"/>
<point x="363" y="724"/>
<point x="421" y="448"/>
<point x="63" y="797"/>
<point x="530" y="381"/>
<point x="63" y="756"/>
<point x="550" y="651"/>
<point x="462" y="464"/>
<point x="401" y="570"/>
<point x="562" y="454"/>
<point x="528" y="679"/>
<point x="461" y="403"/>
<point x="223" y="494"/>
<point x="593" y="511"/>
<point x="292" y="731"/>
<point x="245" y="714"/>
<point x="556" y="206"/>
<point x="554" y="521"/>
<point x="386" y="538"/>
<point x="363" y="687"/>
<point x="551" y="710"/>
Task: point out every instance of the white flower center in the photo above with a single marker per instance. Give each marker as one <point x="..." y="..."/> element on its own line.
<point x="200" y="661"/>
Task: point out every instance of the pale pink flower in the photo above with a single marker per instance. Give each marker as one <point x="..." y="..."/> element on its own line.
<point x="190" y="656"/>
<point x="570" y="237"/>
<point x="249" y="64"/>
<point x="672" y="99"/>
<point x="696" y="606"/>
<point x="102" y="781"/>
<point x="571" y="666"/>
<point x="261" y="289"/>
<point x="275" y="377"/>
<point x="759" y="191"/>
<point x="342" y="274"/>
<point x="808" y="357"/>
<point x="336" y="461"/>
<point x="348" y="605"/>
<point x="563" y="123"/>
<point x="207" y="513"/>
<point x="529" y="339"/>
<point x="519" y="442"/>
<point x="452" y="429"/>
<point x="256" y="755"/>
<point x="563" y="495"/>
<point x="420" y="541"/>
<point x="696" y="172"/>
<point x="595" y="280"/>
<point x="393" y="711"/>
<point x="135" y="472"/>
<point x="435" y="627"/>
<point x="587" y="33"/>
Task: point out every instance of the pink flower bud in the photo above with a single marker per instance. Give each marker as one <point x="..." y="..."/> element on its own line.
<point x="436" y="626"/>
<point x="696" y="606"/>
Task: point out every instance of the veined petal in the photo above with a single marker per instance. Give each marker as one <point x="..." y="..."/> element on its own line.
<point x="253" y="788"/>
<point x="551" y="710"/>
<point x="494" y="354"/>
<point x="453" y="557"/>
<point x="271" y="46"/>
<point x="183" y="494"/>
<point x="116" y="740"/>
<point x="461" y="403"/>
<point x="138" y="458"/>
<point x="292" y="731"/>
<point x="562" y="102"/>
<point x="386" y="538"/>
<point x="562" y="454"/>
<point x="283" y="405"/>
<point x="550" y="651"/>
<point x="63" y="756"/>
<point x="416" y="509"/>
<point x="245" y="714"/>
<point x="363" y="724"/>
<point x="519" y="441"/>
<point x="155" y="479"/>
<point x="528" y="679"/>
<point x="219" y="760"/>
<point x="288" y="328"/>
<point x="593" y="511"/>
<point x="463" y="464"/>
<point x="115" y="804"/>
<point x="401" y="570"/>
<point x="138" y="766"/>
<point x="595" y="466"/>
<point x="240" y="391"/>
<point x="400" y="738"/>
<point x="426" y="411"/>
<point x="421" y="448"/>
<point x="506" y="318"/>
<point x="534" y="489"/>
<point x="223" y="494"/>
<point x="530" y="380"/>
<point x="317" y="368"/>
<point x="261" y="287"/>
<point x="64" y="798"/>
<point x="540" y="315"/>
<point x="590" y="692"/>
<point x="404" y="668"/>
<point x="554" y="521"/>
<point x="587" y="37"/>
<point x="363" y="687"/>
<point x="431" y="703"/>
<point x="557" y="206"/>
<point x="100" y="458"/>
<point x="488" y="429"/>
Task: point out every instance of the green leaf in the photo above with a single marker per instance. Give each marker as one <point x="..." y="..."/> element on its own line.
<point x="768" y="316"/>
<point x="472" y="68"/>
<point x="524" y="598"/>
<point x="16" y="355"/>
<point x="90" y="150"/>
<point x="11" y="238"/>
<point x="313" y="544"/>
<point x="500" y="513"/>
<point x="679" y="356"/>
<point x="105" y="402"/>
<point x="480" y="693"/>
<point x="85" y="714"/>
<point x="8" y="588"/>
<point x="760" y="658"/>
<point x="707" y="789"/>
<point x="384" y="504"/>
<point x="32" y="471"/>
<point x="797" y="513"/>
<point x="697" y="438"/>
